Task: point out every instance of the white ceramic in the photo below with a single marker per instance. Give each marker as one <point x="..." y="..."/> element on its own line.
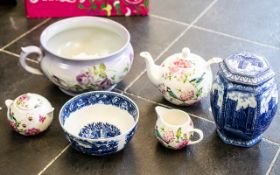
<point x="29" y="114"/>
<point x="99" y="122"/>
<point x="174" y="128"/>
<point x="183" y="78"/>
<point x="74" y="76"/>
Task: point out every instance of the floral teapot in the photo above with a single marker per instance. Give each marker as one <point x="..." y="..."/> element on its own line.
<point x="183" y="78"/>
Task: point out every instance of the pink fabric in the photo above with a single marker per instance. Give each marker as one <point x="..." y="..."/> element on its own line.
<point x="66" y="8"/>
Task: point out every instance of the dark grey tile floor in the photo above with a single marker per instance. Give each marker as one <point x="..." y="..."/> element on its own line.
<point x="209" y="28"/>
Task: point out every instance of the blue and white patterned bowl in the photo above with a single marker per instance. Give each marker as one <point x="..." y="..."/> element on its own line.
<point x="99" y="122"/>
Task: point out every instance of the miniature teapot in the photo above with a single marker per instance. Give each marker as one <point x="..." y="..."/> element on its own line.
<point x="29" y="114"/>
<point x="174" y="128"/>
<point x="183" y="78"/>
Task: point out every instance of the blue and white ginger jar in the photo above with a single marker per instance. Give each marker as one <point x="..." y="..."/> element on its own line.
<point x="243" y="99"/>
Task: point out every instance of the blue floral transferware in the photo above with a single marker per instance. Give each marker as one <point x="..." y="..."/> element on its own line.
<point x="92" y="129"/>
<point x="243" y="99"/>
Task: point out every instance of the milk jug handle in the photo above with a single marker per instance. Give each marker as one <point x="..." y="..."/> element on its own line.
<point x="200" y="133"/>
<point x="23" y="58"/>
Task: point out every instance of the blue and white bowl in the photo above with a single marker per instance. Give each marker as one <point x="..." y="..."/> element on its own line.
<point x="99" y="122"/>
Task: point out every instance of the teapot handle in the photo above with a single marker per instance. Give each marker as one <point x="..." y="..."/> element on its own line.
<point x="200" y="133"/>
<point x="23" y="58"/>
<point x="214" y="60"/>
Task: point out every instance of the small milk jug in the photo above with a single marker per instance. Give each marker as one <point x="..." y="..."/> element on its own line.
<point x="174" y="128"/>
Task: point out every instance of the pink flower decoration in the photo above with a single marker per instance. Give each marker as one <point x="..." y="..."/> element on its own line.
<point x="32" y="131"/>
<point x="182" y="144"/>
<point x="163" y="89"/>
<point x="168" y="136"/>
<point x="23" y="97"/>
<point x="42" y="118"/>
<point x="84" y="78"/>
<point x="13" y="125"/>
<point x="173" y="69"/>
<point x="182" y="63"/>
<point x="187" y="95"/>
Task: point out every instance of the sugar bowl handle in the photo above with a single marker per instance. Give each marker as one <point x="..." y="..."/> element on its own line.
<point x="23" y="58"/>
<point x="200" y="133"/>
<point x="8" y="103"/>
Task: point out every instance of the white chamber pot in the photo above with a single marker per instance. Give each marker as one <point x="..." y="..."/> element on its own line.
<point x="76" y="75"/>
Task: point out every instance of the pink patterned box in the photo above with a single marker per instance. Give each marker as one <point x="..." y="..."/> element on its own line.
<point x="66" y="8"/>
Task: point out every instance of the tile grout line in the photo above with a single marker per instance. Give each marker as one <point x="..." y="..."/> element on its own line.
<point x="53" y="160"/>
<point x="10" y="53"/>
<point x="217" y="32"/>
<point x="16" y="55"/>
<point x="173" y="42"/>
<point x="273" y="162"/>
<point x="26" y="33"/>
<point x="169" y="19"/>
<point x="236" y="37"/>
<point x="270" y="141"/>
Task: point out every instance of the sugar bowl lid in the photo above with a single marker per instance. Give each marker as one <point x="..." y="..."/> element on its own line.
<point x="31" y="101"/>
<point x="246" y="68"/>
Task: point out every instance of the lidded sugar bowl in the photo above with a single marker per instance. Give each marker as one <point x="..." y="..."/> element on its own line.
<point x="29" y="114"/>
<point x="243" y="98"/>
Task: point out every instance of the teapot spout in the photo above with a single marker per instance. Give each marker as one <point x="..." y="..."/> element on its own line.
<point x="160" y="111"/>
<point x="153" y="71"/>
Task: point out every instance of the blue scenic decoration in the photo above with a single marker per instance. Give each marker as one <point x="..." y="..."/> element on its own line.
<point x="242" y="112"/>
<point x="98" y="148"/>
<point x="130" y="135"/>
<point x="99" y="130"/>
<point x="88" y="142"/>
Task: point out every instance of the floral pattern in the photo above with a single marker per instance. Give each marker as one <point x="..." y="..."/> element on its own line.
<point x="171" y="139"/>
<point x="22" y="127"/>
<point x="23" y="101"/>
<point x="92" y="78"/>
<point x="42" y="118"/>
<point x="32" y="131"/>
<point x="181" y="71"/>
<point x="115" y="7"/>
<point x="168" y="136"/>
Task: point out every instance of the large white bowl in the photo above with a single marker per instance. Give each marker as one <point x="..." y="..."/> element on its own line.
<point x="100" y="122"/>
<point x="75" y="76"/>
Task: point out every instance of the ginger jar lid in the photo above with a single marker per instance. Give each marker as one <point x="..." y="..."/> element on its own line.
<point x="246" y="68"/>
<point x="31" y="101"/>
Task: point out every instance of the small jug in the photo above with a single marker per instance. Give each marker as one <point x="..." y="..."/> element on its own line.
<point x="174" y="128"/>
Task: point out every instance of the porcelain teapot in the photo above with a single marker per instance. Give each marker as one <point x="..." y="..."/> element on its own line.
<point x="29" y="114"/>
<point x="183" y="78"/>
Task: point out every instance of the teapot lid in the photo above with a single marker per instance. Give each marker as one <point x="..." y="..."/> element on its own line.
<point x="31" y="101"/>
<point x="246" y="68"/>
